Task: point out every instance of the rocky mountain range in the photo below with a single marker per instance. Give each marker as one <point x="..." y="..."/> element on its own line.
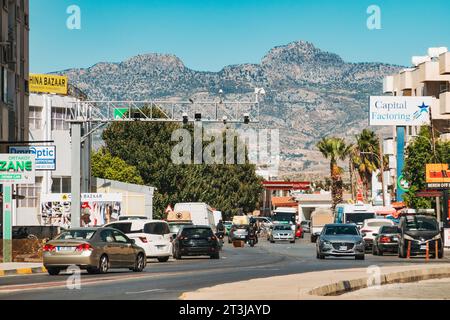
<point x="310" y="93"/>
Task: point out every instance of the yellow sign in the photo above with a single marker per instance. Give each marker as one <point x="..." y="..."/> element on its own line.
<point x="437" y="173"/>
<point x="46" y="83"/>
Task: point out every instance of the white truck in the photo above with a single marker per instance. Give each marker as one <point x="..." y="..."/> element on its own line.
<point x="201" y="213"/>
<point x="319" y="218"/>
<point x="217" y="216"/>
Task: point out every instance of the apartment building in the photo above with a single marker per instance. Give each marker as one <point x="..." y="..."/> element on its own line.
<point x="430" y="76"/>
<point x="14" y="68"/>
<point x="47" y="122"/>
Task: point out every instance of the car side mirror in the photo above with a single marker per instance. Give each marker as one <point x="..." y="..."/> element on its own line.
<point x="132" y="241"/>
<point x="374" y="234"/>
<point x="174" y="236"/>
<point x="363" y="235"/>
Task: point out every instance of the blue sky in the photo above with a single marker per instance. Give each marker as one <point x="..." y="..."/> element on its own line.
<point x="210" y="34"/>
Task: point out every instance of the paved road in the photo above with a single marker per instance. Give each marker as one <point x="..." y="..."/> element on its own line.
<point x="169" y="280"/>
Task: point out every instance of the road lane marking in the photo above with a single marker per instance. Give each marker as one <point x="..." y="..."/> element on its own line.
<point x="145" y="291"/>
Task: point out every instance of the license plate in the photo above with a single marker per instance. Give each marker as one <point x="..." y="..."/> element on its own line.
<point x="423" y="247"/>
<point x="395" y="238"/>
<point x="65" y="249"/>
<point x="160" y="248"/>
<point x="343" y="248"/>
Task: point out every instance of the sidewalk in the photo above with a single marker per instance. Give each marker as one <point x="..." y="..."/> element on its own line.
<point x="15" y="268"/>
<point x="317" y="285"/>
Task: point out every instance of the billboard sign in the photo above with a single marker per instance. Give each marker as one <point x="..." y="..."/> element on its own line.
<point x="48" y="83"/>
<point x="399" y="111"/>
<point x="437" y="176"/>
<point x="96" y="209"/>
<point x="17" y="168"/>
<point x="45" y="155"/>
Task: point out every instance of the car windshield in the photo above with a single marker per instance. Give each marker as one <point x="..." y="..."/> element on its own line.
<point x="379" y="223"/>
<point x="388" y="229"/>
<point x="76" y="235"/>
<point x="341" y="230"/>
<point x="358" y="217"/>
<point x="419" y="223"/>
<point x="282" y="227"/>
<point x="197" y="232"/>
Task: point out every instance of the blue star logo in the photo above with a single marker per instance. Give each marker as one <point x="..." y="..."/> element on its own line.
<point x="422" y="109"/>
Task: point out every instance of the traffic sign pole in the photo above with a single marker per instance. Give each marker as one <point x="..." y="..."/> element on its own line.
<point x="7" y="223"/>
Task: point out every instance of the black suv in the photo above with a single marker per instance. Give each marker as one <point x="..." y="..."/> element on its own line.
<point x="419" y="230"/>
<point x="196" y="241"/>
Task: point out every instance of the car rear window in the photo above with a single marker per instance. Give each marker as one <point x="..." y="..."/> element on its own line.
<point x="388" y="229"/>
<point x="200" y="232"/>
<point x="76" y="235"/>
<point x="158" y="228"/>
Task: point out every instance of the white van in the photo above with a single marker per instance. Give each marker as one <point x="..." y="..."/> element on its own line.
<point x="151" y="235"/>
<point x="353" y="213"/>
<point x="201" y="213"/>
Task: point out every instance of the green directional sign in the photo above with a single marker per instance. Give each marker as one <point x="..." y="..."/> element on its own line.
<point x="17" y="168"/>
<point x="120" y="113"/>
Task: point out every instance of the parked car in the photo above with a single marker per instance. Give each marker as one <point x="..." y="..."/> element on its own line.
<point x="371" y="226"/>
<point x="306" y="226"/>
<point x="196" y="241"/>
<point x="282" y="232"/>
<point x="94" y="249"/>
<point x="264" y="222"/>
<point x="152" y="235"/>
<point x="340" y="240"/>
<point x="386" y="240"/>
<point x="238" y="232"/>
<point x="419" y="231"/>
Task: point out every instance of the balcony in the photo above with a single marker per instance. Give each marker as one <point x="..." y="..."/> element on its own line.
<point x="444" y="100"/>
<point x="444" y="63"/>
<point x="406" y="79"/>
<point x="429" y="71"/>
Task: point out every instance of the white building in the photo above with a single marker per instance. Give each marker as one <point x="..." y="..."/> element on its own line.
<point x="47" y="117"/>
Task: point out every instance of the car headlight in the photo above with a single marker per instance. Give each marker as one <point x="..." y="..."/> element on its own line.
<point x="409" y="238"/>
<point x="326" y="243"/>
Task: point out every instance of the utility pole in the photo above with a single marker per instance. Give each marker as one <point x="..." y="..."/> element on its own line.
<point x="382" y="169"/>
<point x="76" y="175"/>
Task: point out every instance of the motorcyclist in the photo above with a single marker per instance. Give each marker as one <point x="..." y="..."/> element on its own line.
<point x="253" y="231"/>
<point x="220" y="229"/>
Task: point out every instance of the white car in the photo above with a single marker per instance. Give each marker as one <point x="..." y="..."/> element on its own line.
<point x="372" y="226"/>
<point x="151" y="235"/>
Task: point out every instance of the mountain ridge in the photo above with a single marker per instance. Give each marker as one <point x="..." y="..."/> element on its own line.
<point x="310" y="93"/>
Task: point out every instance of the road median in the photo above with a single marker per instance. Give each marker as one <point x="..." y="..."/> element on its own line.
<point x="319" y="285"/>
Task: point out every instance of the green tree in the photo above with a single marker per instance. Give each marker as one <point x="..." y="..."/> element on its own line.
<point x="418" y="153"/>
<point x="106" y="166"/>
<point x="365" y="158"/>
<point x="147" y="146"/>
<point x="335" y="149"/>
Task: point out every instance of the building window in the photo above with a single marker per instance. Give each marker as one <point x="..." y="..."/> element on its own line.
<point x="35" y="118"/>
<point x="31" y="192"/>
<point x="59" y="115"/>
<point x="61" y="185"/>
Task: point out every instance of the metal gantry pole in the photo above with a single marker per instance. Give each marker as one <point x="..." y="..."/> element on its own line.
<point x="76" y="174"/>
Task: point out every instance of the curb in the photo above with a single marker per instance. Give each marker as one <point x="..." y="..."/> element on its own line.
<point x="346" y="286"/>
<point x="22" y="271"/>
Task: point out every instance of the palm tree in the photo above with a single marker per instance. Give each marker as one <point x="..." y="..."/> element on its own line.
<point x="365" y="157"/>
<point x="335" y="149"/>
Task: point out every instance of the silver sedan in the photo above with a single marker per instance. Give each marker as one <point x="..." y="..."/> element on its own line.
<point x="282" y="232"/>
<point x="340" y="240"/>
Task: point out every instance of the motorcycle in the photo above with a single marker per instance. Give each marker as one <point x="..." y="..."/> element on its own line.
<point x="252" y="239"/>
